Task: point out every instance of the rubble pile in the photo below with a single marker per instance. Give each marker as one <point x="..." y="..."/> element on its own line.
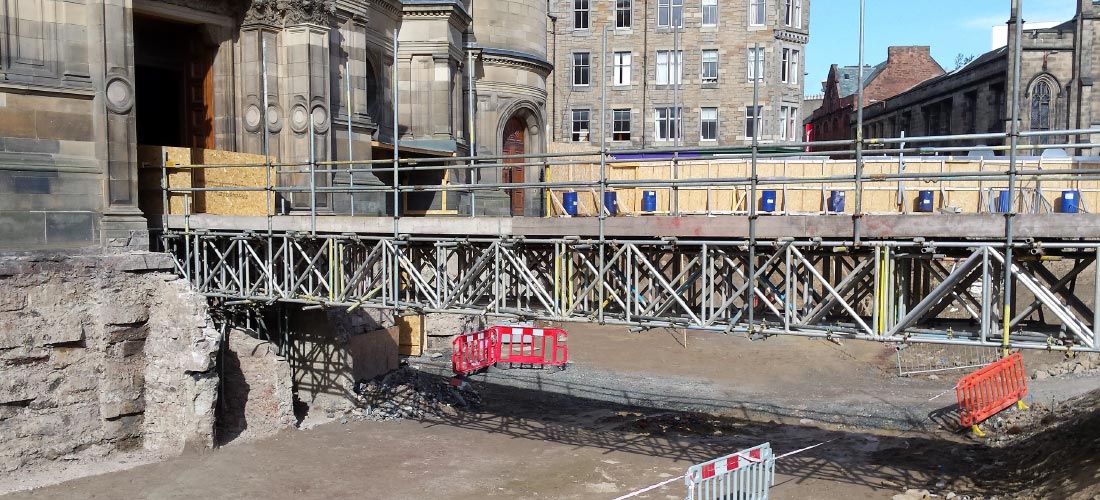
<point x="671" y="423"/>
<point x="1078" y="364"/>
<point x="407" y="393"/>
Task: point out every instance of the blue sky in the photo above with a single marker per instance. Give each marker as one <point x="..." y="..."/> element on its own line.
<point x="950" y="27"/>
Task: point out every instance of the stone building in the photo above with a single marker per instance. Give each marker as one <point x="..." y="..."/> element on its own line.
<point x="677" y="72"/>
<point x="1057" y="73"/>
<point x="84" y="82"/>
<point x="903" y="68"/>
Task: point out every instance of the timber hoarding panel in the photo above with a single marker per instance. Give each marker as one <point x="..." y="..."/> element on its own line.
<point x="210" y="202"/>
<point x="880" y="195"/>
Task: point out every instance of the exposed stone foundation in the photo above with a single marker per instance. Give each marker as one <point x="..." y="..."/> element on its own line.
<point x="101" y="354"/>
<point x="257" y="397"/>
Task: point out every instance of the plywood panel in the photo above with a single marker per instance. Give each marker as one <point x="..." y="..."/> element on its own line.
<point x="880" y="194"/>
<point x="232" y="202"/>
<point x="410" y="335"/>
<point x="150" y="173"/>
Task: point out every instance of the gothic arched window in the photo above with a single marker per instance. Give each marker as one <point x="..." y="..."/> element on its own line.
<point x="1040" y="108"/>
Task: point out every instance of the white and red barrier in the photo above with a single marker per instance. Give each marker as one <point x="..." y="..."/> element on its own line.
<point x="473" y="352"/>
<point x="745" y="475"/>
<point x="532" y="346"/>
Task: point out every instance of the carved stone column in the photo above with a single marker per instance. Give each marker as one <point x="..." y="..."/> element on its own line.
<point x="296" y="34"/>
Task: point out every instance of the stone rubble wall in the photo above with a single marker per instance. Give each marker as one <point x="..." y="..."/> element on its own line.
<point x="102" y="354"/>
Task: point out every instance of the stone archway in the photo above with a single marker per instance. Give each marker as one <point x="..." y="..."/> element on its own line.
<point x="520" y="133"/>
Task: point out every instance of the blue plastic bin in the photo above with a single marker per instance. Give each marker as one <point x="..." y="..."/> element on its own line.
<point x="569" y="201"/>
<point x="610" y="201"/>
<point x="767" y="201"/>
<point x="1070" y="202"/>
<point x="649" y="201"/>
<point x="926" y="201"/>
<point x="1002" y="202"/>
<point x="836" y="201"/>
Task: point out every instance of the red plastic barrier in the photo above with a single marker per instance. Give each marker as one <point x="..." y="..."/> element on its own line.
<point x="531" y="346"/>
<point x="991" y="389"/>
<point x="474" y="351"/>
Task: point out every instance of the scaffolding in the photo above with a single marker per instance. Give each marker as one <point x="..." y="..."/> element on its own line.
<point x="948" y="286"/>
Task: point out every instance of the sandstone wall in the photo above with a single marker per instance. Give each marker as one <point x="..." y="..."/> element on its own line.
<point x="100" y="355"/>
<point x="333" y="349"/>
<point x="257" y="398"/>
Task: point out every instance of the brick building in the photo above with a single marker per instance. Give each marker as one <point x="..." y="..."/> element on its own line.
<point x="678" y="72"/>
<point x="1057" y="75"/>
<point x="903" y="68"/>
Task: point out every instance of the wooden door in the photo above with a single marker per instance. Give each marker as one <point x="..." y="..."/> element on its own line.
<point x="514" y="145"/>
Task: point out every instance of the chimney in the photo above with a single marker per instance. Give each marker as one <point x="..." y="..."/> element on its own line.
<point x="896" y="53"/>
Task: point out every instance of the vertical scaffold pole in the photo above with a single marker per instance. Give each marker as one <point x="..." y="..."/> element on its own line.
<point x="396" y="275"/>
<point x="858" y="215"/>
<point x="312" y="180"/>
<point x="753" y="215"/>
<point x="470" y="108"/>
<point x="351" y="135"/>
<point x="602" y="202"/>
<point x="270" y="208"/>
<point x="1013" y="156"/>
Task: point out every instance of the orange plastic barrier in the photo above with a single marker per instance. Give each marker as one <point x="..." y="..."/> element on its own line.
<point x="991" y="389"/>
<point x="531" y="346"/>
<point x="474" y="351"/>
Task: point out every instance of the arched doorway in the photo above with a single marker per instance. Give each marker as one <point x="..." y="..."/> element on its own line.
<point x="514" y="143"/>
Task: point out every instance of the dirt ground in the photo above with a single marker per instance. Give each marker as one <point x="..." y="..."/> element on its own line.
<point x="633" y="409"/>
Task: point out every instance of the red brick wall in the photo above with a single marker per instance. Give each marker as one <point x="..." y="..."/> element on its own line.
<point x="905" y="67"/>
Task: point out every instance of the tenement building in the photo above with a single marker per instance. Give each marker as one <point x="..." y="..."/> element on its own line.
<point x="676" y="72"/>
<point x="85" y="83"/>
<point x="1057" y="76"/>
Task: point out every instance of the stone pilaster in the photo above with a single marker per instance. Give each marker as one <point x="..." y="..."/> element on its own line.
<point x="123" y="224"/>
<point x="306" y="74"/>
<point x="296" y="34"/>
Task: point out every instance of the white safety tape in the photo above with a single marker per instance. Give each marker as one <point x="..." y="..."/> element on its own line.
<point x="937" y="396"/>
<point x="650" y="488"/>
<point x="795" y="452"/>
<point x="677" y="478"/>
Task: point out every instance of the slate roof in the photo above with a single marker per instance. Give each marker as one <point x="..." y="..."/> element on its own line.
<point x="846" y="77"/>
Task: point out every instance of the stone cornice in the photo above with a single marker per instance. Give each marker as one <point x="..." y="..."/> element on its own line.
<point x="392" y="8"/>
<point x="353" y="9"/>
<point x="515" y="59"/>
<point x="451" y="11"/>
<point x="792" y="36"/>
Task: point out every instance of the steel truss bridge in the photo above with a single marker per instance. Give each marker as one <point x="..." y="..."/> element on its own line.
<point x="943" y="289"/>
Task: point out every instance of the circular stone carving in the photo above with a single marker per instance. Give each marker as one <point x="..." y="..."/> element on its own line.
<point x="120" y="95"/>
<point x="299" y="118"/>
<point x="274" y="119"/>
<point x="320" y="118"/>
<point x="252" y="117"/>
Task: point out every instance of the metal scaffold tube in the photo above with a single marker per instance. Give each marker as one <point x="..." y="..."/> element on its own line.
<point x="396" y="271"/>
<point x="750" y="297"/>
<point x="1014" y="139"/>
<point x="857" y="215"/>
<point x="471" y="106"/>
<point x="602" y="202"/>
